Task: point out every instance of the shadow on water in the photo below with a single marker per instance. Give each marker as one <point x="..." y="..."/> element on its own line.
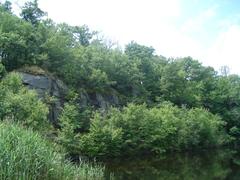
<point x="204" y="165"/>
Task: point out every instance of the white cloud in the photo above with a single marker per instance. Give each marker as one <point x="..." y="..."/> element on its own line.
<point x="122" y="20"/>
<point x="225" y="50"/>
<point x="149" y="22"/>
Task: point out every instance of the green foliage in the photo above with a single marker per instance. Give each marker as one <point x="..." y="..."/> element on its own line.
<point x="102" y="140"/>
<point x="7" y="6"/>
<point x="26" y="155"/>
<point x="202" y="128"/>
<point x="70" y="123"/>
<point x="225" y="101"/>
<point x="21" y="105"/>
<point x="2" y="71"/>
<point x="134" y="50"/>
<point x="20" y="42"/>
<point x="140" y="130"/>
<point x="186" y="82"/>
<point x="82" y="34"/>
<point x="32" y="13"/>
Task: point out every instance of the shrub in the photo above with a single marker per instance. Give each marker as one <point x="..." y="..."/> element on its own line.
<point x="104" y="139"/>
<point x="201" y="128"/>
<point x="20" y="104"/>
<point x="26" y="155"/>
<point x="141" y="130"/>
<point x="70" y="123"/>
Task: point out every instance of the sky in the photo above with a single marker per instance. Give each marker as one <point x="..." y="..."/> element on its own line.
<point x="207" y="30"/>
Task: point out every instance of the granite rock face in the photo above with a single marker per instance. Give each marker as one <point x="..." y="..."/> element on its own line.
<point x="46" y="86"/>
<point x="98" y="100"/>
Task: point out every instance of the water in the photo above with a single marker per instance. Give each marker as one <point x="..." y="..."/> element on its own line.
<point x="204" y="165"/>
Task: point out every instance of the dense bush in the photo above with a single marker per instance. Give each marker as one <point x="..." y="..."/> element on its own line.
<point x="17" y="103"/>
<point x="26" y="155"/>
<point x="140" y="130"/>
<point x="104" y="139"/>
<point x="70" y="123"/>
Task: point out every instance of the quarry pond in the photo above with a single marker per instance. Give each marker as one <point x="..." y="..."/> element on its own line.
<point x="204" y="165"/>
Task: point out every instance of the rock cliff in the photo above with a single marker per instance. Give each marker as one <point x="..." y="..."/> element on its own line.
<point x="47" y="86"/>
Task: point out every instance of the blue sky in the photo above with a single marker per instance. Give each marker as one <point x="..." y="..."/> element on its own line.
<point x="207" y="30"/>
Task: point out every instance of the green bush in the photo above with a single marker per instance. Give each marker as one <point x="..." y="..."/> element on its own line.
<point x="17" y="103"/>
<point x="70" y="123"/>
<point x="202" y="128"/>
<point x="2" y="70"/>
<point x="26" y="155"/>
<point x="104" y="139"/>
<point x="141" y="130"/>
<point x="70" y="138"/>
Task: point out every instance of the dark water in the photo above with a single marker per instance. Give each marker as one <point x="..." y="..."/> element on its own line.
<point x="204" y="165"/>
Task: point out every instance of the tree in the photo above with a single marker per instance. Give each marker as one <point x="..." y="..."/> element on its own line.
<point x="134" y="50"/>
<point x="20" y="43"/>
<point x="7" y="6"/>
<point x="185" y="81"/>
<point x="146" y="58"/>
<point x="69" y="123"/>
<point x="83" y="35"/>
<point x="225" y="70"/>
<point x="225" y="100"/>
<point x="32" y="13"/>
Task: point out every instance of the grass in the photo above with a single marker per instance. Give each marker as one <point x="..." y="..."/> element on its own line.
<point x="25" y="155"/>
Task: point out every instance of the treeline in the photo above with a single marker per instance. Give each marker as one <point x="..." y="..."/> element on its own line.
<point x="166" y="104"/>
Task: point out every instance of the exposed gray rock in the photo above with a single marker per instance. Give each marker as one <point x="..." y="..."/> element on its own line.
<point x="100" y="100"/>
<point x="45" y="86"/>
<point x="84" y="99"/>
<point x="40" y="83"/>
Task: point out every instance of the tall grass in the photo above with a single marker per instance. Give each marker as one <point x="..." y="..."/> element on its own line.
<point x="25" y="155"/>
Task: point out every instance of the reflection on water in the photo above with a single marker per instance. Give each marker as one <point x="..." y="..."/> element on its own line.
<point x="222" y="164"/>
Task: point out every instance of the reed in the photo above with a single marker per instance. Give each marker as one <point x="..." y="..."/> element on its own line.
<point x="25" y="155"/>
